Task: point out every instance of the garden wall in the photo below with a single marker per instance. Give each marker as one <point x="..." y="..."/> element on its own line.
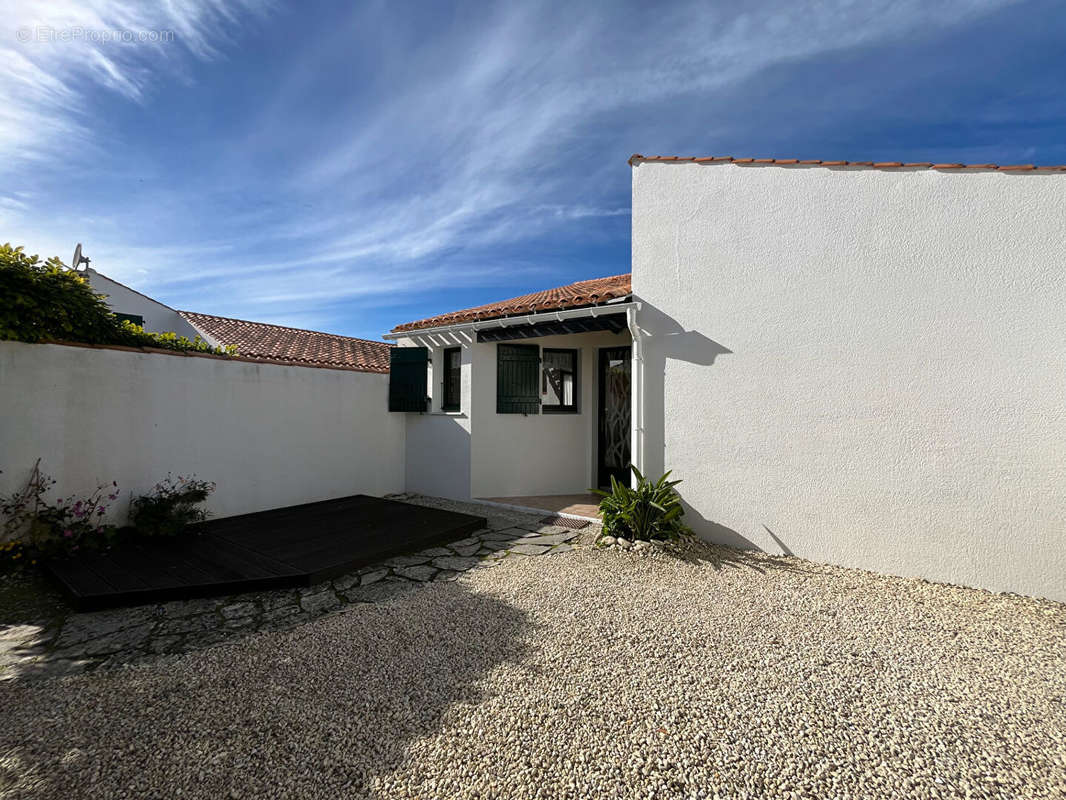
<point x="269" y="435"/>
<point x="862" y="367"/>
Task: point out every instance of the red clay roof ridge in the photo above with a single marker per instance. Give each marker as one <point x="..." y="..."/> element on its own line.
<point x="280" y="327"/>
<point x="580" y="294"/>
<point x="638" y="158"/>
<point x="264" y="341"/>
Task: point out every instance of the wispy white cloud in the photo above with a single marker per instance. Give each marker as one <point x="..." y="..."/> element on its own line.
<point x="424" y="169"/>
<point x="493" y="110"/>
<point x="54" y="52"/>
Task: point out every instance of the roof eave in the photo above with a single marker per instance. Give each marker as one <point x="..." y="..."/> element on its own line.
<point x="637" y="158"/>
<point x="609" y="307"/>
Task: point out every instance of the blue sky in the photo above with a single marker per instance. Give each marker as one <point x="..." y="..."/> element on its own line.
<point x="348" y="167"/>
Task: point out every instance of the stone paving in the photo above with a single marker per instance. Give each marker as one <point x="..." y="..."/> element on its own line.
<point x="33" y="643"/>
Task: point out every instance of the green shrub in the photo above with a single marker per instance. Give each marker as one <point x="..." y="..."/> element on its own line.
<point x="45" y="301"/>
<point x="650" y="510"/>
<point x="170" y="507"/>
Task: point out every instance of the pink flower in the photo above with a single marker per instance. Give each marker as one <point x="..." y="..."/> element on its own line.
<point x="68" y="533"/>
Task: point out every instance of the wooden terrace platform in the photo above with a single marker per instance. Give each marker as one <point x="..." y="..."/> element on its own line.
<point x="280" y="548"/>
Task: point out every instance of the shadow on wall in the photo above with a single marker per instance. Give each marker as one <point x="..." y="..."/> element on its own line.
<point x="437" y="459"/>
<point x="353" y="690"/>
<point x="668" y="340"/>
<point x="725" y="546"/>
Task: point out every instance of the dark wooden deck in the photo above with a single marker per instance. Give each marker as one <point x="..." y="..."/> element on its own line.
<point x="283" y="547"/>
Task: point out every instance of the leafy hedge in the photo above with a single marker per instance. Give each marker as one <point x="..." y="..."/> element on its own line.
<point x="46" y="301"/>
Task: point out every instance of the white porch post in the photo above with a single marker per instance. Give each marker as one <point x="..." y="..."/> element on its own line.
<point x="636" y="439"/>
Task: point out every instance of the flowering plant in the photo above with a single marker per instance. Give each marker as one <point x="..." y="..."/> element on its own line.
<point x="35" y="527"/>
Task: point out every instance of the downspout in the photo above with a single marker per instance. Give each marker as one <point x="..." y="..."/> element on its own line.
<point x="636" y="442"/>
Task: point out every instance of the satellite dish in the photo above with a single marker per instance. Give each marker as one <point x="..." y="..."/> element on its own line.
<point x="79" y="259"/>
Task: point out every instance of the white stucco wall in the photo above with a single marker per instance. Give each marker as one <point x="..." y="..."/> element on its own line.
<point x="438" y="455"/>
<point x="438" y="443"/>
<point x="479" y="453"/>
<point x="538" y="454"/>
<point x="268" y="435"/>
<point x="157" y="316"/>
<point x="863" y="367"/>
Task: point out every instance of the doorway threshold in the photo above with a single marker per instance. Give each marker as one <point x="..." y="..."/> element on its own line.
<point x="570" y="506"/>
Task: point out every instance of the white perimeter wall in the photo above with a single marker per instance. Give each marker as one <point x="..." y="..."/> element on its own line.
<point x="268" y="435"/>
<point x="863" y="367"/>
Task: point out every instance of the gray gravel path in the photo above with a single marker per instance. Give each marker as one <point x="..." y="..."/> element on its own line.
<point x="593" y="673"/>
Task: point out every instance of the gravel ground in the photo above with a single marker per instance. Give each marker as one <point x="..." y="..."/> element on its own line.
<point x="586" y="674"/>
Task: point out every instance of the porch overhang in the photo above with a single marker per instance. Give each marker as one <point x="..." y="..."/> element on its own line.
<point x="608" y="316"/>
<point x="615" y="323"/>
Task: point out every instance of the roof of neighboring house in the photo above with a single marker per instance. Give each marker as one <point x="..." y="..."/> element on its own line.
<point x="263" y="342"/>
<point x="574" y="295"/>
<point x="637" y="158"/>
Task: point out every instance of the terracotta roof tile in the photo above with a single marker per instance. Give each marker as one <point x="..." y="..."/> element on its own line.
<point x="574" y="295"/>
<point x="637" y="158"/>
<point x="263" y="342"/>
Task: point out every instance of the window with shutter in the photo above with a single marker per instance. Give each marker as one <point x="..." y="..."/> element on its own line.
<point x="408" y="379"/>
<point x="517" y="379"/>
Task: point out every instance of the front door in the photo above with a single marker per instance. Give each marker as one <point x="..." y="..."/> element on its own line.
<point x="614" y="405"/>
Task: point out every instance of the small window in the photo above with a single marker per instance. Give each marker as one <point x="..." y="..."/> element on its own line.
<point x="452" y="381"/>
<point x="558" y="382"/>
<point x="136" y="319"/>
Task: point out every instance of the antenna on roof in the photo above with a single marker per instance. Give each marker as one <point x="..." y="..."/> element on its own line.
<point x="79" y="259"/>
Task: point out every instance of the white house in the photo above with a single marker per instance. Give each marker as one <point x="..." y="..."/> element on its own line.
<point x="526" y="397"/>
<point x="150" y="314"/>
<point x="856" y="363"/>
<point x="860" y="364"/>
<point x="255" y="341"/>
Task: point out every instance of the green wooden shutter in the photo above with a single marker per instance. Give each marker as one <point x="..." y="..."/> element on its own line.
<point x="407" y="378"/>
<point x="517" y="379"/>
